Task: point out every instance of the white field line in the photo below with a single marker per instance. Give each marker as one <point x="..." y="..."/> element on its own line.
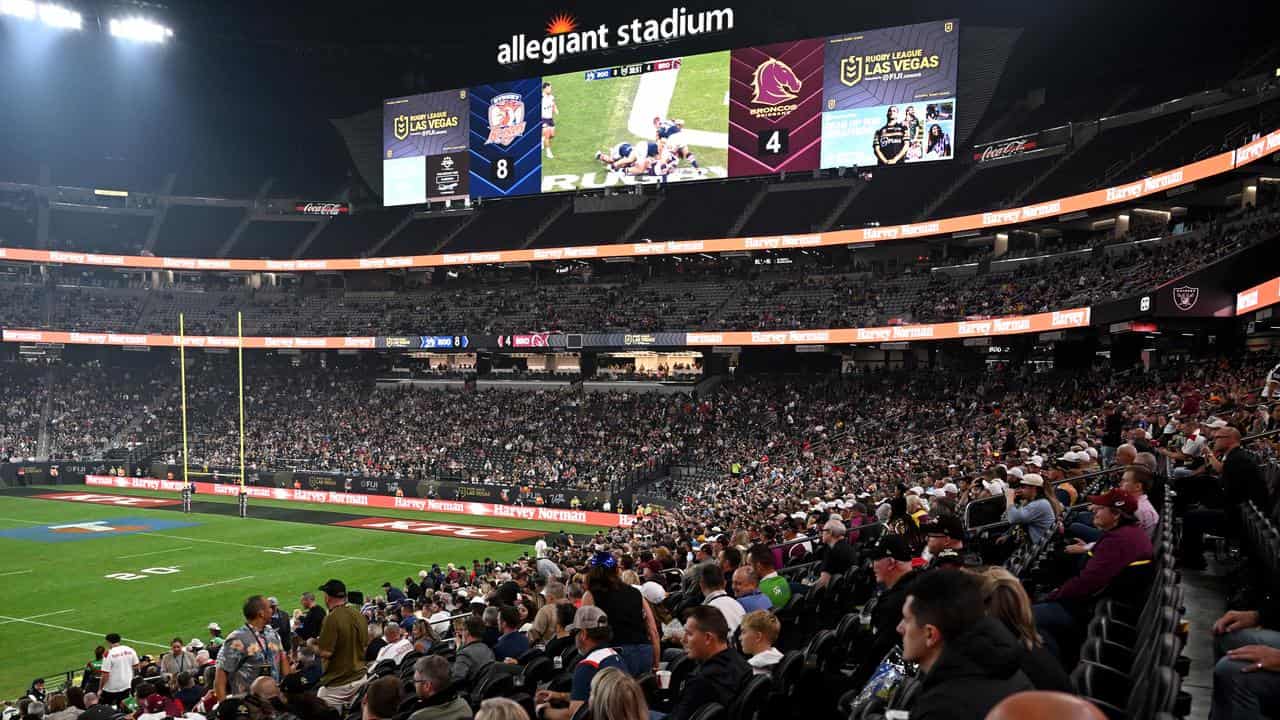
<point x="157" y="552"/>
<point x="33" y="617"/>
<point x="15" y="572"/>
<point x="78" y="630"/>
<point x="300" y="552"/>
<point x="211" y="584"/>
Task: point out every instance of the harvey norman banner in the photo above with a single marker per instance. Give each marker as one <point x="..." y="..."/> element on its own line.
<point x="1013" y="325"/>
<point x="457" y="507"/>
<point x="1258" y="297"/>
<point x="1161" y="182"/>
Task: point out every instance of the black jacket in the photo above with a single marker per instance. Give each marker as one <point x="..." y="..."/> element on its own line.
<point x="1044" y="671"/>
<point x="718" y="680"/>
<point x="885" y="616"/>
<point x="975" y="672"/>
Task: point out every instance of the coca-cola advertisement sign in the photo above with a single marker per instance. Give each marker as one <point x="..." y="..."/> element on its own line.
<point x="1004" y="149"/>
<point x="322" y="208"/>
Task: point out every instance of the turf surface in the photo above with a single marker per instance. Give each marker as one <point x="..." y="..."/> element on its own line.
<point x="593" y="116"/>
<point x="59" y="602"/>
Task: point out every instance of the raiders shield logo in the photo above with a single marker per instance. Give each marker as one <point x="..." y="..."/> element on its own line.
<point x="401" y="128"/>
<point x="1185" y="297"/>
<point x="851" y="70"/>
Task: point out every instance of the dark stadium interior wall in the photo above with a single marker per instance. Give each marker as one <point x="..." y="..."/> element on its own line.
<point x="775" y="361"/>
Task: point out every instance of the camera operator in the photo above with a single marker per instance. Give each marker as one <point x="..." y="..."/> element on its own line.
<point x="252" y="651"/>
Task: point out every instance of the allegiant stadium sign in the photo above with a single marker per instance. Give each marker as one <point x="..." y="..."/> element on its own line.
<point x="564" y="38"/>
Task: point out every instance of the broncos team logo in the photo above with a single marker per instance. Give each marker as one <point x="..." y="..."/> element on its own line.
<point x="506" y="119"/>
<point x="774" y="83"/>
<point x="401" y="127"/>
<point x="851" y="70"/>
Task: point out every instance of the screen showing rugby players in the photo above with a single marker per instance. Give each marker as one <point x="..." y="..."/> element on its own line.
<point x="652" y="122"/>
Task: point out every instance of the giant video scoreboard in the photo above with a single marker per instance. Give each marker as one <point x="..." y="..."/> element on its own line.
<point x="876" y="97"/>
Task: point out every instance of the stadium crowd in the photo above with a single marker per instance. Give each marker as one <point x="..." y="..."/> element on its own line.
<point x="692" y="295"/>
<point x="829" y="483"/>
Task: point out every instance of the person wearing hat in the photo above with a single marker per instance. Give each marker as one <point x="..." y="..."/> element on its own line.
<point x="592" y="640"/>
<point x="215" y="639"/>
<point x="943" y="533"/>
<point x="631" y="620"/>
<point x="343" y="637"/>
<point x="891" y="562"/>
<point x="393" y="593"/>
<point x="280" y="621"/>
<point x="1124" y="543"/>
<point x="1030" y="506"/>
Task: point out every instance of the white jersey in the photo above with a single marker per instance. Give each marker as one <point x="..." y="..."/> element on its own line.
<point x="1272" y="388"/>
<point x="119" y="663"/>
<point x="548" y="106"/>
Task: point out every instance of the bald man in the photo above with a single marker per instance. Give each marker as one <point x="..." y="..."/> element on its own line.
<point x="1241" y="480"/>
<point x="1038" y="704"/>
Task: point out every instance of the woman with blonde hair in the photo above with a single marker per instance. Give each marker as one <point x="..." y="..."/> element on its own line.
<point x="500" y="708"/>
<point x="1007" y="601"/>
<point x="616" y="696"/>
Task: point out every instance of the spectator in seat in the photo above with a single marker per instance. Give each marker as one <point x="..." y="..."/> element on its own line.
<point x="1032" y="507"/>
<point x="1123" y="544"/>
<point x="943" y="533"/>
<point x="1246" y="679"/>
<point x="437" y="696"/>
<point x="473" y="654"/>
<point x="544" y="621"/>
<point x="1007" y="602"/>
<point x="746" y="590"/>
<point x="512" y="643"/>
<point x="759" y="631"/>
<point x="635" y="632"/>
<point x="721" y="672"/>
<point x="560" y="638"/>
<point x="397" y="645"/>
<point x="592" y="640"/>
<point x="381" y="700"/>
<point x="969" y="661"/>
<point x="188" y="693"/>
<point x="772" y="585"/>
<point x="891" y="562"/>
<point x="616" y="696"/>
<point x="501" y="708"/>
<point x="711" y="583"/>
<point x="840" y="555"/>
<point x="1241" y="481"/>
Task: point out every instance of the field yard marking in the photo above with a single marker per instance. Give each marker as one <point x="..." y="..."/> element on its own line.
<point x="33" y="617"/>
<point x="15" y="572"/>
<point x="330" y="562"/>
<point x="22" y="520"/>
<point x="653" y="97"/>
<point x="300" y="552"/>
<point x="157" y="552"/>
<point x="78" y="630"/>
<point x="219" y="582"/>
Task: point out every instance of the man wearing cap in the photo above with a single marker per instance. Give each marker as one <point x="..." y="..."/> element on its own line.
<point x="592" y="640"/>
<point x="1124" y="543"/>
<point x="343" y="637"/>
<point x="1036" y="512"/>
<point x="280" y="621"/>
<point x="250" y="652"/>
<point x="215" y="639"/>
<point x="943" y="533"/>
<point x="891" y="562"/>
<point x="394" y="594"/>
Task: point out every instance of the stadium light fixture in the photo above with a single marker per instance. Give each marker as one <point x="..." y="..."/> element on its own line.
<point x="138" y="29"/>
<point x="25" y="9"/>
<point x="57" y="16"/>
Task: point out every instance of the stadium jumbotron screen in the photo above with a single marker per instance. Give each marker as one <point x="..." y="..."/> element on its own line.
<point x="878" y="97"/>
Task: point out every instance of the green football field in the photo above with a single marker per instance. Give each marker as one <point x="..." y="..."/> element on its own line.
<point x="593" y="115"/>
<point x="150" y="581"/>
